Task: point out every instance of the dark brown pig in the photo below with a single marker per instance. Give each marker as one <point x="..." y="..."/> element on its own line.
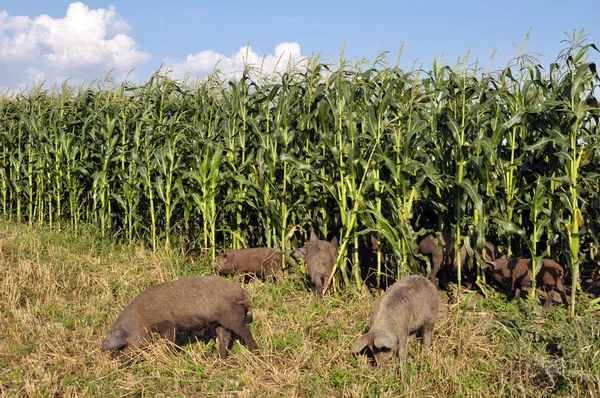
<point x="408" y="306"/>
<point x="515" y="274"/>
<point x="368" y="254"/>
<point x="439" y="249"/>
<point x="261" y="261"/>
<point x="185" y="305"/>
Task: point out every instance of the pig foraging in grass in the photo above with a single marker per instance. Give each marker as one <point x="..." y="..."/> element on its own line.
<point x="320" y="257"/>
<point x="185" y="305"/>
<point x="515" y="274"/>
<point x="262" y="261"/>
<point x="439" y="249"/>
<point x="408" y="306"/>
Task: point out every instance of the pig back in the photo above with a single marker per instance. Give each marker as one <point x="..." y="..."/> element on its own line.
<point x="515" y="270"/>
<point x="258" y="259"/>
<point x="196" y="301"/>
<point x="320" y="257"/>
<point x="407" y="304"/>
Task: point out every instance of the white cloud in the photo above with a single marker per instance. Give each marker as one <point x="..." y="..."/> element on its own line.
<point x="286" y="55"/>
<point x="84" y="45"/>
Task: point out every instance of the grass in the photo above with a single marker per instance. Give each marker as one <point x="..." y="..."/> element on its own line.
<point x="60" y="292"/>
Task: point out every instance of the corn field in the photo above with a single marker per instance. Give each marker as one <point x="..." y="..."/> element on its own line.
<point x="510" y="156"/>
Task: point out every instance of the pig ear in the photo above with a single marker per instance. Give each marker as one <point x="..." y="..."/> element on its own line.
<point x="384" y="340"/>
<point x="334" y="242"/>
<point x="362" y="342"/>
<point x="300" y="252"/>
<point x="226" y="257"/>
<point x="115" y="340"/>
<point x="313" y="235"/>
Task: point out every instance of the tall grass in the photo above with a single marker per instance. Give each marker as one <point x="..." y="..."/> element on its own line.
<point x="353" y="147"/>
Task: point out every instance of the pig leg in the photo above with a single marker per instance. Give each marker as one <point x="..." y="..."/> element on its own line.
<point x="427" y="334"/>
<point x="549" y="298"/>
<point x="443" y="279"/>
<point x="223" y="340"/>
<point x="436" y="262"/>
<point x="236" y="323"/>
<point x="268" y="272"/>
<point x="166" y="330"/>
<point x="512" y="289"/>
<point x="318" y="280"/>
<point x="242" y="330"/>
<point x="402" y="345"/>
<point x="265" y="269"/>
<point x="517" y="291"/>
<point x="561" y="290"/>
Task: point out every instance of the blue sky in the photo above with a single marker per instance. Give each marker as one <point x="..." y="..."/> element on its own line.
<point x="60" y="39"/>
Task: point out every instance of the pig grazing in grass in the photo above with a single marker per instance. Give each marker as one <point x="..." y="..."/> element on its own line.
<point x="516" y="273"/>
<point x="439" y="249"/>
<point x="261" y="261"/>
<point x="185" y="305"/>
<point x="408" y="306"/>
<point x="320" y="257"/>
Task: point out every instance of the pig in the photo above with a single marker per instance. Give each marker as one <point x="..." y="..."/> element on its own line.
<point x="320" y="257"/>
<point x="516" y="273"/>
<point x="441" y="257"/>
<point x="185" y="305"/>
<point x="410" y="305"/>
<point x="261" y="261"/>
<point x="368" y="253"/>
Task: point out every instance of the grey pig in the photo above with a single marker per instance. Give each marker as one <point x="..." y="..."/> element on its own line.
<point x="185" y="305"/>
<point x="516" y="273"/>
<point x="408" y="306"/>
<point x="260" y="261"/>
<point x="320" y="257"/>
<point x="441" y="257"/>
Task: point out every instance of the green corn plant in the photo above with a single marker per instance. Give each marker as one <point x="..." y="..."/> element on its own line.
<point x="480" y="183"/>
<point x="264" y="158"/>
<point x="573" y="84"/>
<point x="167" y="163"/>
<point x="101" y="186"/>
<point x="235" y="118"/>
<point x="517" y="122"/>
<point x="33" y="126"/>
<point x="54" y="143"/>
<point x="207" y="175"/>
<point x="18" y="170"/>
<point x="8" y="133"/>
<point x="74" y="172"/>
<point x="539" y="219"/>
<point x="350" y="148"/>
<point x="280" y="102"/>
<point x="131" y="192"/>
<point x="405" y="166"/>
<point x="459" y="95"/>
<point x="204" y="180"/>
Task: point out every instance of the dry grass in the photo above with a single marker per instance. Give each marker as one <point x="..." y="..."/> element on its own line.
<point x="59" y="294"/>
